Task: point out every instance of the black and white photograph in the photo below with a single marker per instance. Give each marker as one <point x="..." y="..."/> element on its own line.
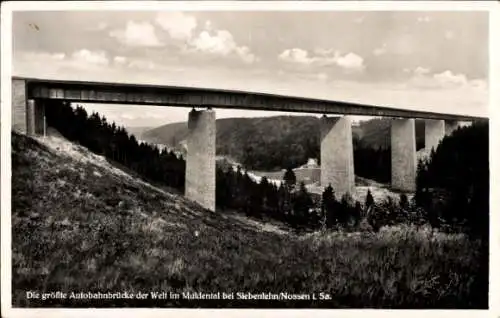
<point x="217" y="156"/>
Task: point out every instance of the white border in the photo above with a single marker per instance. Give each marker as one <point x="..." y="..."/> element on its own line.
<point x="6" y="65"/>
<point x="494" y="55"/>
<point x="251" y="5"/>
<point x="5" y="186"/>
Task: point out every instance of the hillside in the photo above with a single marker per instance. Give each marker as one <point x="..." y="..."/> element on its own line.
<point x="376" y="133"/>
<point x="277" y="142"/>
<point x="257" y="134"/>
<point x="138" y="130"/>
<point x="81" y="224"/>
<point x="169" y="134"/>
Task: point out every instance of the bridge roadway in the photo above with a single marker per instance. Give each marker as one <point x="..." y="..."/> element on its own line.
<point x="337" y="164"/>
<point x="135" y="94"/>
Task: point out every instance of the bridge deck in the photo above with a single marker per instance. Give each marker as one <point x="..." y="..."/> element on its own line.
<point x="138" y="94"/>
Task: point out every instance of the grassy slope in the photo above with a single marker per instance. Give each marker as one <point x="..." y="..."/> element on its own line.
<point x="80" y="224"/>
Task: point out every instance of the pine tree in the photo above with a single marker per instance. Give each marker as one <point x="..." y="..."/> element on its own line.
<point x="369" y="199"/>
<point x="328" y="206"/>
<point x="457" y="172"/>
<point x="302" y="202"/>
<point x="357" y="213"/>
<point x="345" y="209"/>
<point x="221" y="185"/>
<point x="114" y="143"/>
<point x="290" y="179"/>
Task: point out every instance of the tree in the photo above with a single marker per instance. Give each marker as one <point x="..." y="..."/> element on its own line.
<point x="95" y="133"/>
<point x="231" y="187"/>
<point x="264" y="188"/>
<point x="345" y="210"/>
<point x="368" y="201"/>
<point x="289" y="179"/>
<point x="302" y="202"/>
<point x="221" y="189"/>
<point x="234" y="190"/>
<point x="357" y="213"/>
<point x="284" y="200"/>
<point x="454" y="184"/>
<point x="328" y="206"/>
<point x="403" y="202"/>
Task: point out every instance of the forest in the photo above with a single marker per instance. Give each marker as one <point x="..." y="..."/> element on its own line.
<point x="452" y="184"/>
<point x="280" y="142"/>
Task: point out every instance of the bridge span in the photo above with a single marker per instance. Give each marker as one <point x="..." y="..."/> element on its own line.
<point x="337" y="168"/>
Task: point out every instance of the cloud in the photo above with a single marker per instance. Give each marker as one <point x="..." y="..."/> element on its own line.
<point x="480" y="84"/>
<point x="471" y="99"/>
<point x="208" y="25"/>
<point x="137" y="63"/>
<point x="423" y="77"/>
<point x="137" y="34"/>
<point x="181" y="26"/>
<point x="419" y="71"/>
<point x="380" y="50"/>
<point x="158" y="67"/>
<point x="177" y="24"/>
<point x="120" y="60"/>
<point x="85" y="56"/>
<point x="58" y="56"/>
<point x="49" y="65"/>
<point x="350" y="61"/>
<point x="296" y="55"/>
<point x="43" y="56"/>
<point x="323" y="57"/>
<point x="221" y="42"/>
<point x="322" y="76"/>
<point x="312" y="77"/>
<point x="424" y="19"/>
<point x="143" y="64"/>
<point x="447" y="78"/>
<point x="244" y="53"/>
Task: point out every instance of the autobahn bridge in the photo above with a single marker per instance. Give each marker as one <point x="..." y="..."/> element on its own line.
<point x="337" y="165"/>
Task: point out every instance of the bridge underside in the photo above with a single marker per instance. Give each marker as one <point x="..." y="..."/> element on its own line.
<point x="337" y="169"/>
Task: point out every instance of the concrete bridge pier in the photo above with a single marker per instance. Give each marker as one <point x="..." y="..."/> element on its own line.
<point x="450" y="126"/>
<point x="19" y="106"/>
<point x="434" y="133"/>
<point x="40" y="120"/>
<point x="337" y="164"/>
<point x="403" y="155"/>
<point x="28" y="115"/>
<point x="35" y="118"/>
<point x="200" y="159"/>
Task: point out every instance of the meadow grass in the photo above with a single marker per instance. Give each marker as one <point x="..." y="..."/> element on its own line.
<point x="79" y="226"/>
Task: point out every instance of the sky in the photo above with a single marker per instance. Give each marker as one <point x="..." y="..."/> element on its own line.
<point x="424" y="60"/>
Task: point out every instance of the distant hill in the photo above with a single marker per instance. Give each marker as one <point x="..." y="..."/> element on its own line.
<point x="376" y="133"/>
<point x="274" y="143"/>
<point x="169" y="134"/>
<point x="137" y="131"/>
